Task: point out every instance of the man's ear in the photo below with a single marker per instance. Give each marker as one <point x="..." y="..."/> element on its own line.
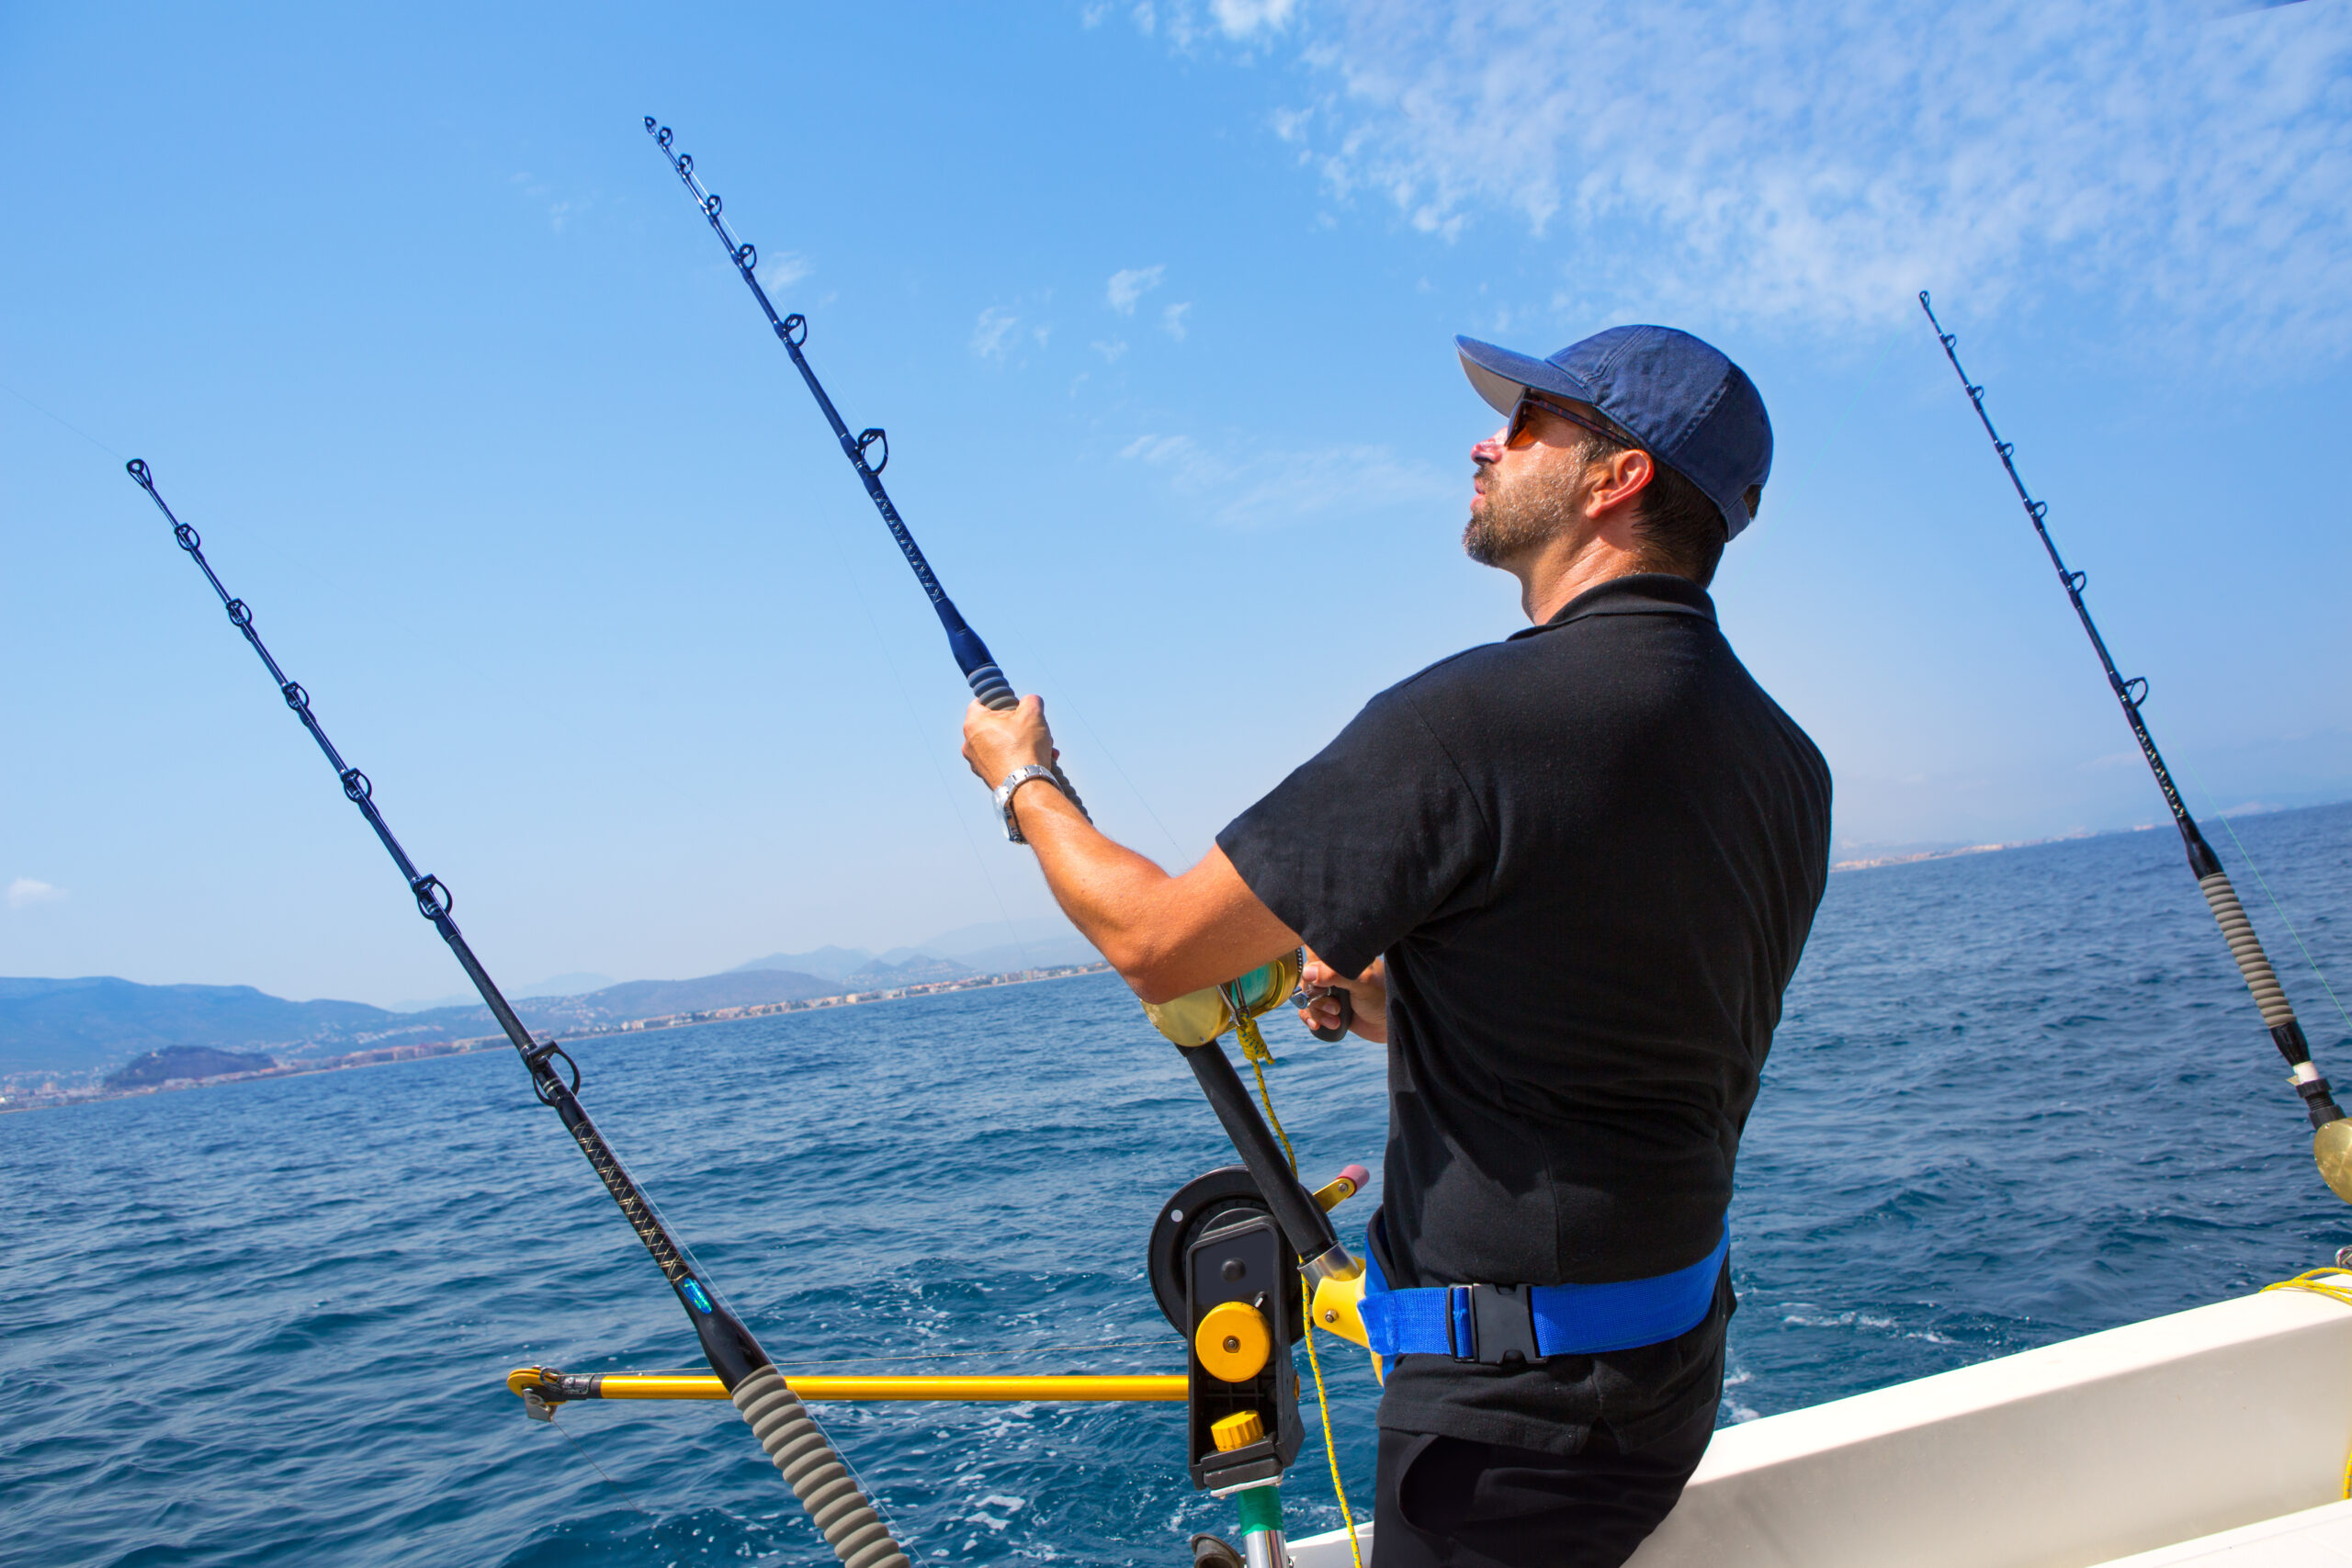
<point x="1625" y="475"/>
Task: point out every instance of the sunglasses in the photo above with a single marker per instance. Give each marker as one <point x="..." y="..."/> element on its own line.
<point x="1530" y="403"/>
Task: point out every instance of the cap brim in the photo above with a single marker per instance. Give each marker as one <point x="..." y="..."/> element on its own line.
<point x="1500" y="377"/>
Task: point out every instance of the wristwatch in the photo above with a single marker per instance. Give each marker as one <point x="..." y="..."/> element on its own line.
<point x="1014" y="781"/>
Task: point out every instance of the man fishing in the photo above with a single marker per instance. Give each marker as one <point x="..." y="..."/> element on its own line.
<point x="1564" y="877"/>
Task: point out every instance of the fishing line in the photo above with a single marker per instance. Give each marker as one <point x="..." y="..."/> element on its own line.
<point x="981" y="671"/>
<point x="1103" y="746"/>
<point x="837" y="1504"/>
<point x="972" y="655"/>
<point x="2331" y="1131"/>
<point x="1253" y="1047"/>
<point x="621" y="1490"/>
<point x="2279" y="909"/>
<point x="922" y="744"/>
<point x="62" y="420"/>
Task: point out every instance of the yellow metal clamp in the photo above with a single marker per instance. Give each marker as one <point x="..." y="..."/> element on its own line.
<point x="1338" y="1308"/>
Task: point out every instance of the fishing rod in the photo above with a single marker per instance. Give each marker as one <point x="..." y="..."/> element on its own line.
<point x="801" y="1451"/>
<point x="981" y="671"/>
<point x="2332" y="1133"/>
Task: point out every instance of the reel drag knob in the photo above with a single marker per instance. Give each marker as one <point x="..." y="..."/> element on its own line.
<point x="1233" y="1342"/>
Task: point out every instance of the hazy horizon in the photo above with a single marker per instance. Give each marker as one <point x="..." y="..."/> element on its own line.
<point x="1157" y="303"/>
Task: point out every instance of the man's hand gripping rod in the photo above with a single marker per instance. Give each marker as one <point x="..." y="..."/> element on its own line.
<point x="972" y="655"/>
<point x="1305" y="1224"/>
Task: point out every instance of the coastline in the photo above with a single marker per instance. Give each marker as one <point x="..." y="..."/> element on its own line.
<point x="389" y="1055"/>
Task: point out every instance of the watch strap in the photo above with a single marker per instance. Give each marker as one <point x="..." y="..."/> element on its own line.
<point x="1012" y="783"/>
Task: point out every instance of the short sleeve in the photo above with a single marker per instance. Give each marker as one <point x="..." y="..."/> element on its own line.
<point x="1367" y="840"/>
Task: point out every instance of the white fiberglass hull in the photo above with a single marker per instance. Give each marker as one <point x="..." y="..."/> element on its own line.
<point x="2146" y="1439"/>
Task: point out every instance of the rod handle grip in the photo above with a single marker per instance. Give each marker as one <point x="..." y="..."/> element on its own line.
<point x="993" y="691"/>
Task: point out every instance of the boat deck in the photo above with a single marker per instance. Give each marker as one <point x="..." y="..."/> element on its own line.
<point x="2316" y="1538"/>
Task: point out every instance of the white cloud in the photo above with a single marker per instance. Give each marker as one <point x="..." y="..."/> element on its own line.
<point x="1240" y="18"/>
<point x="25" y="892"/>
<point x="1130" y="284"/>
<point x="990" y="331"/>
<point x="780" y="272"/>
<point x="1821" y="163"/>
<point x="1109" y="348"/>
<point x="1160" y="449"/>
<point x="1171" y="320"/>
<point x="1262" y="489"/>
<point x="559" y="213"/>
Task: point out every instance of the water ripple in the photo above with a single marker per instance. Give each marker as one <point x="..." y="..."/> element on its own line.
<point x="2015" y="1097"/>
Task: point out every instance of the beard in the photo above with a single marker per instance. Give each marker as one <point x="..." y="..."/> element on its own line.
<point x="1519" y="514"/>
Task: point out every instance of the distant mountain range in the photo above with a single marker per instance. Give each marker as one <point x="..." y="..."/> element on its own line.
<point x="76" y="1025"/>
<point x="82" y="1025"/>
<point x="73" y="1026"/>
<point x="555" y="985"/>
<point x="992" y="949"/>
<point x="93" y="1024"/>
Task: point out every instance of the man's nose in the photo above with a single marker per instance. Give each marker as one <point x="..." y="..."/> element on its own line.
<point x="1490" y="450"/>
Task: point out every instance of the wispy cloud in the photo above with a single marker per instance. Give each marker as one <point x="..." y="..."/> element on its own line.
<point x="1109" y="348"/>
<point x="1128" y="286"/>
<point x="25" y="892"/>
<point x="1246" y="19"/>
<point x="989" y="333"/>
<point x="560" y="210"/>
<point x="1819" y="164"/>
<point x="780" y="272"/>
<point x="1238" y="21"/>
<point x="1263" y="488"/>
<point x="1171" y="320"/>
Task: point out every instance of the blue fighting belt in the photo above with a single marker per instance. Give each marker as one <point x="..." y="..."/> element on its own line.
<point x="1489" y="1323"/>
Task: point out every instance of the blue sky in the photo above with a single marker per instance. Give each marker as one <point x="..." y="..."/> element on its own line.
<point x="1156" y="304"/>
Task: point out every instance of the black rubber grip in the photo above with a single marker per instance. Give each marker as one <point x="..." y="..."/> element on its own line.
<point x="1347" y="1017"/>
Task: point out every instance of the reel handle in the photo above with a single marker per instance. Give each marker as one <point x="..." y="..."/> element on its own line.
<point x="1347" y="1015"/>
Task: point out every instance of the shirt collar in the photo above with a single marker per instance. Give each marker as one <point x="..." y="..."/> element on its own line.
<point x="1640" y="592"/>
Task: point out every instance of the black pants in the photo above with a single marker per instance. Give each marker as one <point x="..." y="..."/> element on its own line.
<point x="1447" y="1503"/>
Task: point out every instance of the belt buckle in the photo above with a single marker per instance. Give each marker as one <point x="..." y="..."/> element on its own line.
<point x="1500" y="1320"/>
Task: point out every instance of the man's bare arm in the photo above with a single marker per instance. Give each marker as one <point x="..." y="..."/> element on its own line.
<point x="1165" y="935"/>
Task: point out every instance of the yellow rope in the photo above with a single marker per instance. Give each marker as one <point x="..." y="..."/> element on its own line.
<point x="2314" y="1281"/>
<point x="1253" y="1047"/>
<point x="1331" y="1452"/>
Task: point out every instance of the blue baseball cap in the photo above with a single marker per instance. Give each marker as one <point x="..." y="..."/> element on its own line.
<point x="1680" y="399"/>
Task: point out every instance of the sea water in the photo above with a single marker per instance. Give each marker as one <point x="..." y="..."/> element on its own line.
<point x="2017" y="1097"/>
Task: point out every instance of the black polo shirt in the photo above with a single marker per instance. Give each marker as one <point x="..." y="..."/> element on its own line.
<point x="1590" y="854"/>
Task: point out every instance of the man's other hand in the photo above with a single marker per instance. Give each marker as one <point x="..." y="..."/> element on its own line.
<point x="1367" y="993"/>
<point x="997" y="740"/>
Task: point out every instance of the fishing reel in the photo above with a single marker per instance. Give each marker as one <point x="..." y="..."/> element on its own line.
<point x="1226" y="1279"/>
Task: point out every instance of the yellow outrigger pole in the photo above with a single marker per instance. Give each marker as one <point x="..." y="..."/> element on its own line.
<point x="549" y="1387"/>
